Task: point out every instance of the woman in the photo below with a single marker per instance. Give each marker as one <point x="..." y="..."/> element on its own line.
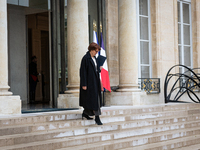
<point x="90" y="87"/>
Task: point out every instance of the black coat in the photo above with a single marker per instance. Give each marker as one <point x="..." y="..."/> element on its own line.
<point x="33" y="69"/>
<point x="89" y="77"/>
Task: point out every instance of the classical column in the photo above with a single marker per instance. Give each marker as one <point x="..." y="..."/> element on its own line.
<point x="3" y="50"/>
<point x="77" y="43"/>
<point x="128" y="53"/>
<point x="8" y="104"/>
<point x="77" y="40"/>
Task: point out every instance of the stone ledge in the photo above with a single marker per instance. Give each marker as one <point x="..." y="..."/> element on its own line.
<point x="10" y="105"/>
<point x="131" y="98"/>
<point x="68" y="100"/>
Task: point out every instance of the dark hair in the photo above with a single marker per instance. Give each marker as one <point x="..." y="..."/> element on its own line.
<point x="33" y="57"/>
<point x="94" y="46"/>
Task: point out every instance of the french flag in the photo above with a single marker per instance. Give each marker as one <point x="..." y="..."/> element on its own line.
<point x="95" y="40"/>
<point x="102" y="60"/>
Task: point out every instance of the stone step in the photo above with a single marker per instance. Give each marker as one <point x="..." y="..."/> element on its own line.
<point x="118" y="122"/>
<point x="155" y="142"/>
<point x="47" y="134"/>
<point x="171" y="144"/>
<point x="106" y="111"/>
<point x="131" y="144"/>
<point x="192" y="147"/>
<point x="66" y="142"/>
<point x="135" y="122"/>
<point x="47" y="126"/>
<point x="108" y="131"/>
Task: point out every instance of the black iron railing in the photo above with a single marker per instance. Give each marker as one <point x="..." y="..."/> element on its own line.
<point x="177" y="84"/>
<point x="150" y="85"/>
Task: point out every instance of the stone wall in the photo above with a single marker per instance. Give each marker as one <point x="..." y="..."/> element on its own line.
<point x="17" y="51"/>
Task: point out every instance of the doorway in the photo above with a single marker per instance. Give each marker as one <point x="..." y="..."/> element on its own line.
<point x="38" y="45"/>
<point x="37" y="29"/>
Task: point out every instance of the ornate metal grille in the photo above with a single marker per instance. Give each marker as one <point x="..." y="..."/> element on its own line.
<point x="150" y="85"/>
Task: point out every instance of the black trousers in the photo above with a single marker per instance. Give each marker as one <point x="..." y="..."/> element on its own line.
<point x="33" y="85"/>
<point x="93" y="112"/>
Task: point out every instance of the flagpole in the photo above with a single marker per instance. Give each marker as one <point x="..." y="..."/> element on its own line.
<point x="103" y="98"/>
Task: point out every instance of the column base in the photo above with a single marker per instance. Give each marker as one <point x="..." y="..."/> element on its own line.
<point x="130" y="98"/>
<point x="128" y="88"/>
<point x="4" y="91"/>
<point x="10" y="105"/>
<point x="68" y="100"/>
<point x="72" y="91"/>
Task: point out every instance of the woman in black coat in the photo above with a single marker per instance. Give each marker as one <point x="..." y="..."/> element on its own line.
<point x="90" y="87"/>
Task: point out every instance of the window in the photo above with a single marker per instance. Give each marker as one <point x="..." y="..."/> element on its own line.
<point x="144" y="39"/>
<point x="184" y="34"/>
<point x="96" y="15"/>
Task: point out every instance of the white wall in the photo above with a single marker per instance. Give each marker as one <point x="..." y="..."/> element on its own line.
<point x="17" y="51"/>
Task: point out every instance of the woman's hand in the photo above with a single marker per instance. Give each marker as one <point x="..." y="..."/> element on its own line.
<point x="101" y="67"/>
<point x="84" y="87"/>
<point x="101" y="86"/>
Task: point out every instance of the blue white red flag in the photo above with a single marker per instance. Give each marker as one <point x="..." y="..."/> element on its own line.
<point x="102" y="60"/>
<point x="95" y="40"/>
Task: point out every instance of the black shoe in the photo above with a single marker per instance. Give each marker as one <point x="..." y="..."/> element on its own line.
<point x="86" y="116"/>
<point x="98" y="121"/>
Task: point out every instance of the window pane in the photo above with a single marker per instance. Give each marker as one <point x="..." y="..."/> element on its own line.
<point x="144" y="52"/>
<point x="24" y="3"/>
<point x="186" y="13"/>
<point x="144" y="28"/>
<point x="92" y="17"/>
<point x="13" y="2"/>
<point x="145" y="72"/>
<point x="187" y="72"/>
<point x="143" y="7"/>
<point x="179" y="19"/>
<point x="186" y="30"/>
<point x="180" y="70"/>
<point x="187" y="56"/>
<point x="179" y="33"/>
<point x="180" y="55"/>
<point x="41" y="4"/>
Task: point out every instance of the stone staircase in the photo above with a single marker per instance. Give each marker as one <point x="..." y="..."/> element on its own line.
<point x="160" y="127"/>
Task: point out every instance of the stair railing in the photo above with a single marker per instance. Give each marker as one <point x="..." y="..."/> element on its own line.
<point x="177" y="84"/>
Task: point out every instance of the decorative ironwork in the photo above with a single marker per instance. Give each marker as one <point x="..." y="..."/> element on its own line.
<point x="94" y="25"/>
<point x="177" y="84"/>
<point x="150" y="85"/>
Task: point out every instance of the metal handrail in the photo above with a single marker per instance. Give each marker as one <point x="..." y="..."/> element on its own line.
<point x="187" y="82"/>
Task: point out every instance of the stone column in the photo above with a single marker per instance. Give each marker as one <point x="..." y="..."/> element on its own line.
<point x="112" y="41"/>
<point x="3" y="50"/>
<point x="8" y="104"/>
<point x="128" y="92"/>
<point x="128" y="52"/>
<point x="77" y="40"/>
<point x="77" y="43"/>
